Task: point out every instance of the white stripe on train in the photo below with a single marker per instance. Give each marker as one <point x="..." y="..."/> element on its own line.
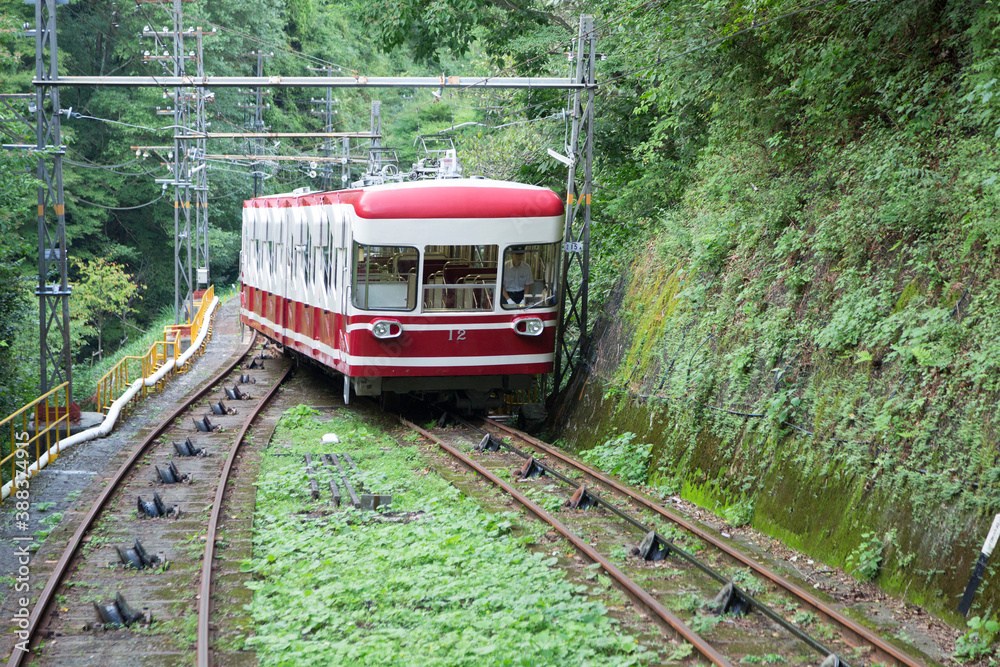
<point x="415" y="362"/>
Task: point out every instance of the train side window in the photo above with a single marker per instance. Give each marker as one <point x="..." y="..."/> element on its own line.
<point x="385" y="277"/>
<point x="459" y="277"/>
<point x="327" y="266"/>
<point x="528" y="276"/>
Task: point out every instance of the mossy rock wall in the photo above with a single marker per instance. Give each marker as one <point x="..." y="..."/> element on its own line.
<point x="813" y="493"/>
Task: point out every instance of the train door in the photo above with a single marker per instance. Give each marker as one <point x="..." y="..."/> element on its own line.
<point x="299" y="257"/>
<point x="340" y="233"/>
<point x="341" y="237"/>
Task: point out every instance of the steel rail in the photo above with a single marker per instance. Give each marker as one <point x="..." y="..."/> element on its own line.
<point x="59" y="571"/>
<point x="884" y="651"/>
<point x="204" y="603"/>
<point x="632" y="588"/>
<point x="763" y="608"/>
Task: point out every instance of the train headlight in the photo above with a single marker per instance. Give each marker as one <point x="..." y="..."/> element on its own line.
<point x="529" y="326"/>
<point x="386" y="329"/>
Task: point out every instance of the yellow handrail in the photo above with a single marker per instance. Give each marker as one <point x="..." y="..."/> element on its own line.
<point x="177" y="331"/>
<point x="126" y="371"/>
<point x="51" y="415"/>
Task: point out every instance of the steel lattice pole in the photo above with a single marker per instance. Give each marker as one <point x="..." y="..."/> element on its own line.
<point x="56" y="363"/>
<point x="571" y="338"/>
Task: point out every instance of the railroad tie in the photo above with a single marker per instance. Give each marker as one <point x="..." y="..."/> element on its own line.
<point x="355" y="501"/>
<point x="334" y="489"/>
<point x="313" y="485"/>
<point x="350" y="462"/>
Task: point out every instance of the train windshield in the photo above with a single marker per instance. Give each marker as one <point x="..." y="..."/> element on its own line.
<point x="460" y="277"/>
<point x="385" y="277"/>
<point x="528" y="276"/>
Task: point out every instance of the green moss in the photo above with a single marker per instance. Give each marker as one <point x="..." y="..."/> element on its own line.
<point x="807" y="494"/>
<point x="911" y="290"/>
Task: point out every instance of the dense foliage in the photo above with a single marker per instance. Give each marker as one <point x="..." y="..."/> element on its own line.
<point x="831" y="249"/>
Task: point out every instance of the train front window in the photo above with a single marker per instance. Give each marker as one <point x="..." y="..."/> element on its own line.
<point x="460" y="277"/>
<point x="528" y="277"/>
<point x="385" y="277"/>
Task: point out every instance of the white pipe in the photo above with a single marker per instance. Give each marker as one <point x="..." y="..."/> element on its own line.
<point x="116" y="408"/>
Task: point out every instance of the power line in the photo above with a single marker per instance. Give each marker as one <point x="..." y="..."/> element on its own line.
<point x="271" y="45"/>
<point x="117" y="208"/>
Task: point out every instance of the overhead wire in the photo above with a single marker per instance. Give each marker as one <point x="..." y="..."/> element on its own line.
<point x="118" y="208"/>
<point x="549" y="52"/>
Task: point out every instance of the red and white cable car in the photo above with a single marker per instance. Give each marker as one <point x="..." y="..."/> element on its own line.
<point x="431" y="286"/>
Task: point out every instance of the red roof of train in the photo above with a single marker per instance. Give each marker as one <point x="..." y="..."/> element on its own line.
<point x="475" y="199"/>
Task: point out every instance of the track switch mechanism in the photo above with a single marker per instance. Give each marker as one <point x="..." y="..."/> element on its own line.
<point x="235" y="394"/>
<point x="170" y="474"/>
<point x="187" y="448"/>
<point x="582" y="499"/>
<point x="206" y="425"/>
<point x="155" y="508"/>
<point x="488" y="444"/>
<point x="530" y="469"/>
<point x="221" y="409"/>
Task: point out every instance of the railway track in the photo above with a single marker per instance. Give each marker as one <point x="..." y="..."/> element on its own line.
<point x="778" y="618"/>
<point x="132" y="586"/>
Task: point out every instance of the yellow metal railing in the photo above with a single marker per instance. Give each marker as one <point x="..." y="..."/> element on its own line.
<point x="129" y="369"/>
<point x="51" y="412"/>
<point x="512" y="400"/>
<point x="50" y="422"/>
<point x="175" y="332"/>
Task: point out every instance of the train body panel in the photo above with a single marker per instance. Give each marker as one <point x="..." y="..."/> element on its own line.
<point x="404" y="287"/>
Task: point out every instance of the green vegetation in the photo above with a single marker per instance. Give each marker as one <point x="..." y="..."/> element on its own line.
<point x="103" y="292"/>
<point x="768" y="659"/>
<point x="866" y="558"/>
<point x="979" y="641"/>
<point x="434" y="581"/>
<point x="620" y="457"/>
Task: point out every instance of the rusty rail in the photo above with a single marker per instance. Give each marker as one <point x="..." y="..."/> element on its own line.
<point x="854" y="631"/>
<point x="632" y="588"/>
<point x="204" y="603"/>
<point x="45" y="598"/>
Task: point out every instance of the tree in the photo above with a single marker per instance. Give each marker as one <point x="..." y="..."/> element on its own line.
<point x="430" y="28"/>
<point x="104" y="292"/>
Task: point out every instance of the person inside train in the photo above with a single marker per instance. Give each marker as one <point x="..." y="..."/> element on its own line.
<point x="516" y="277"/>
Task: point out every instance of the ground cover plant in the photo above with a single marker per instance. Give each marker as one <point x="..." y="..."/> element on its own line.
<point x="435" y="581"/>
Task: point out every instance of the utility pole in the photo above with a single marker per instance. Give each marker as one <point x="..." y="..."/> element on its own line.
<point x="255" y="124"/>
<point x="189" y="171"/>
<point x="571" y="337"/>
<point x="202" y="95"/>
<point x="183" y="280"/>
<point x="56" y="355"/>
<point x="375" y="148"/>
<point x="345" y="162"/>
<point x="327" y="111"/>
